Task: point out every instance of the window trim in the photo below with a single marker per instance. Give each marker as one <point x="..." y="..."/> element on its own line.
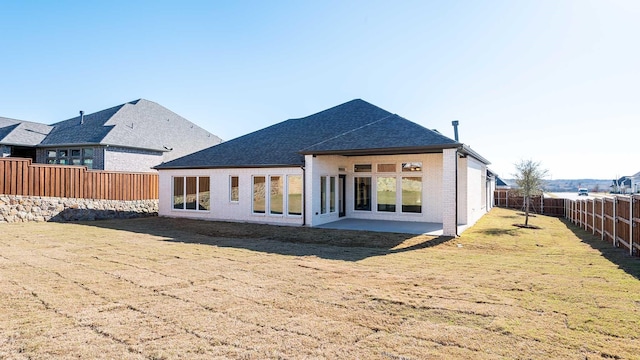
<point x="184" y="194"/>
<point x="253" y="195"/>
<point x="231" y="200"/>
<point x="288" y="202"/>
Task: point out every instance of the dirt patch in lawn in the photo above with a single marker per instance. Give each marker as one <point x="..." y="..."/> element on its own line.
<point x="166" y="289"/>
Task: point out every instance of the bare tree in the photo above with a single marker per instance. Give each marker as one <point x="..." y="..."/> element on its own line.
<point x="529" y="178"/>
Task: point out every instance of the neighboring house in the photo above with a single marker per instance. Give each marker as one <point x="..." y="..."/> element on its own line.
<point x="19" y="138"/>
<point x="354" y="160"/>
<point x="135" y="136"/>
<point x="635" y="182"/>
<point x="500" y="184"/>
<point x="626" y="184"/>
<point x="623" y="185"/>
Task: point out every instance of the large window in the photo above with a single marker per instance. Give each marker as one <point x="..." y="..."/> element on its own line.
<point x="323" y="194"/>
<point x="327" y="194"/>
<point x="276" y="195"/>
<point x="294" y="195"/>
<point x="191" y="193"/>
<point x="332" y="194"/>
<point x="259" y="194"/>
<point x="362" y="189"/>
<point x="412" y="194"/>
<point x="386" y="191"/>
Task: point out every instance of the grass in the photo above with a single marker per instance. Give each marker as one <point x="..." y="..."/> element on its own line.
<point x="160" y="288"/>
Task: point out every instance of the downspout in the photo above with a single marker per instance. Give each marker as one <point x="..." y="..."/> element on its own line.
<point x="456" y="197"/>
<point x="304" y="194"/>
<point x="455" y="124"/>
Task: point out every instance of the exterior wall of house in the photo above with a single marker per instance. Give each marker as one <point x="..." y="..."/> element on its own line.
<point x="133" y="160"/>
<point x="219" y="200"/>
<point x="491" y="188"/>
<point x="333" y="166"/>
<point x="476" y="190"/>
<point x="437" y="190"/>
<point x="463" y="193"/>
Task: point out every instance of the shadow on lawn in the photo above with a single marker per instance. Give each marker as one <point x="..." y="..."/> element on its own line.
<point x="347" y="245"/>
<point x="500" y="232"/>
<point x="618" y="256"/>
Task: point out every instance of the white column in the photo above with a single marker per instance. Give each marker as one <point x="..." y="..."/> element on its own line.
<point x="449" y="183"/>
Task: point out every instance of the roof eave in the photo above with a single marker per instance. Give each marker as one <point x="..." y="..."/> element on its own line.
<point x="465" y="149"/>
<point x="98" y="144"/>
<point x="251" y="166"/>
<point x="384" y="151"/>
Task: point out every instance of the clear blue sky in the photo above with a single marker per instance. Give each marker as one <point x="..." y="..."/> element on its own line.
<point x="553" y="81"/>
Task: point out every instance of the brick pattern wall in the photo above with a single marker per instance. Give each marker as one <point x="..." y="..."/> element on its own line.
<point x="134" y="160"/>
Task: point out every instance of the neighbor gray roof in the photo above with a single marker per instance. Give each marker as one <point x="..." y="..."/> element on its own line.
<point x="353" y="128"/>
<point x="141" y="124"/>
<point x="22" y="133"/>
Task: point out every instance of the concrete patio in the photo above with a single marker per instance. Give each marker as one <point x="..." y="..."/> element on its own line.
<point x="405" y="227"/>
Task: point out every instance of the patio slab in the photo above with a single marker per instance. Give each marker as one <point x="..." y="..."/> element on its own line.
<point x="404" y="227"/>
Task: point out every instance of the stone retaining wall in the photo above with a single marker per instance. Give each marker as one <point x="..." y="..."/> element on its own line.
<point x="27" y="208"/>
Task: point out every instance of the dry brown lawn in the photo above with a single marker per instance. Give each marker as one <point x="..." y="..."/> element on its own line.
<point x="161" y="288"/>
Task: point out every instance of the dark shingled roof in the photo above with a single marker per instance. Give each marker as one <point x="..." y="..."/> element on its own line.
<point x="22" y="133"/>
<point x="140" y="124"/>
<point x="353" y="128"/>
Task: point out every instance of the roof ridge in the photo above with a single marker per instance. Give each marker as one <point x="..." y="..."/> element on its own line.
<point x="350" y="131"/>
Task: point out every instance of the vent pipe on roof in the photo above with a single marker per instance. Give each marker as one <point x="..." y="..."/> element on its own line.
<point x="455" y="129"/>
<point x="81" y="117"/>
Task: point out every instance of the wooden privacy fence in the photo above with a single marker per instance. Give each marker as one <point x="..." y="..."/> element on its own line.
<point x="540" y="205"/>
<point x="22" y="177"/>
<point x="615" y="219"/>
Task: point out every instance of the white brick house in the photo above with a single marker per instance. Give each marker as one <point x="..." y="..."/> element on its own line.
<point x="351" y="161"/>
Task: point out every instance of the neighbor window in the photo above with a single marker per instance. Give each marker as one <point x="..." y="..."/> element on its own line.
<point x="259" y="194"/>
<point x="362" y="168"/>
<point x="386" y="191"/>
<point x="191" y="193"/>
<point x="412" y="194"/>
<point x="51" y="157"/>
<point x="77" y="156"/>
<point x="234" y="189"/>
<point x="294" y="195"/>
<point x="276" y="195"/>
<point x="87" y="157"/>
<point x="362" y="190"/>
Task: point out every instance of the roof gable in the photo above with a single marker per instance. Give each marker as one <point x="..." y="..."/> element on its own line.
<point x="90" y="129"/>
<point x="22" y="133"/>
<point x="141" y="124"/>
<point x="390" y="133"/>
<point x="353" y="126"/>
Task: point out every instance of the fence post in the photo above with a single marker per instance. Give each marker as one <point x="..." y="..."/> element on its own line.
<point x="602" y="219"/>
<point x="615" y="221"/>
<point x="631" y="199"/>
<point x="593" y="217"/>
